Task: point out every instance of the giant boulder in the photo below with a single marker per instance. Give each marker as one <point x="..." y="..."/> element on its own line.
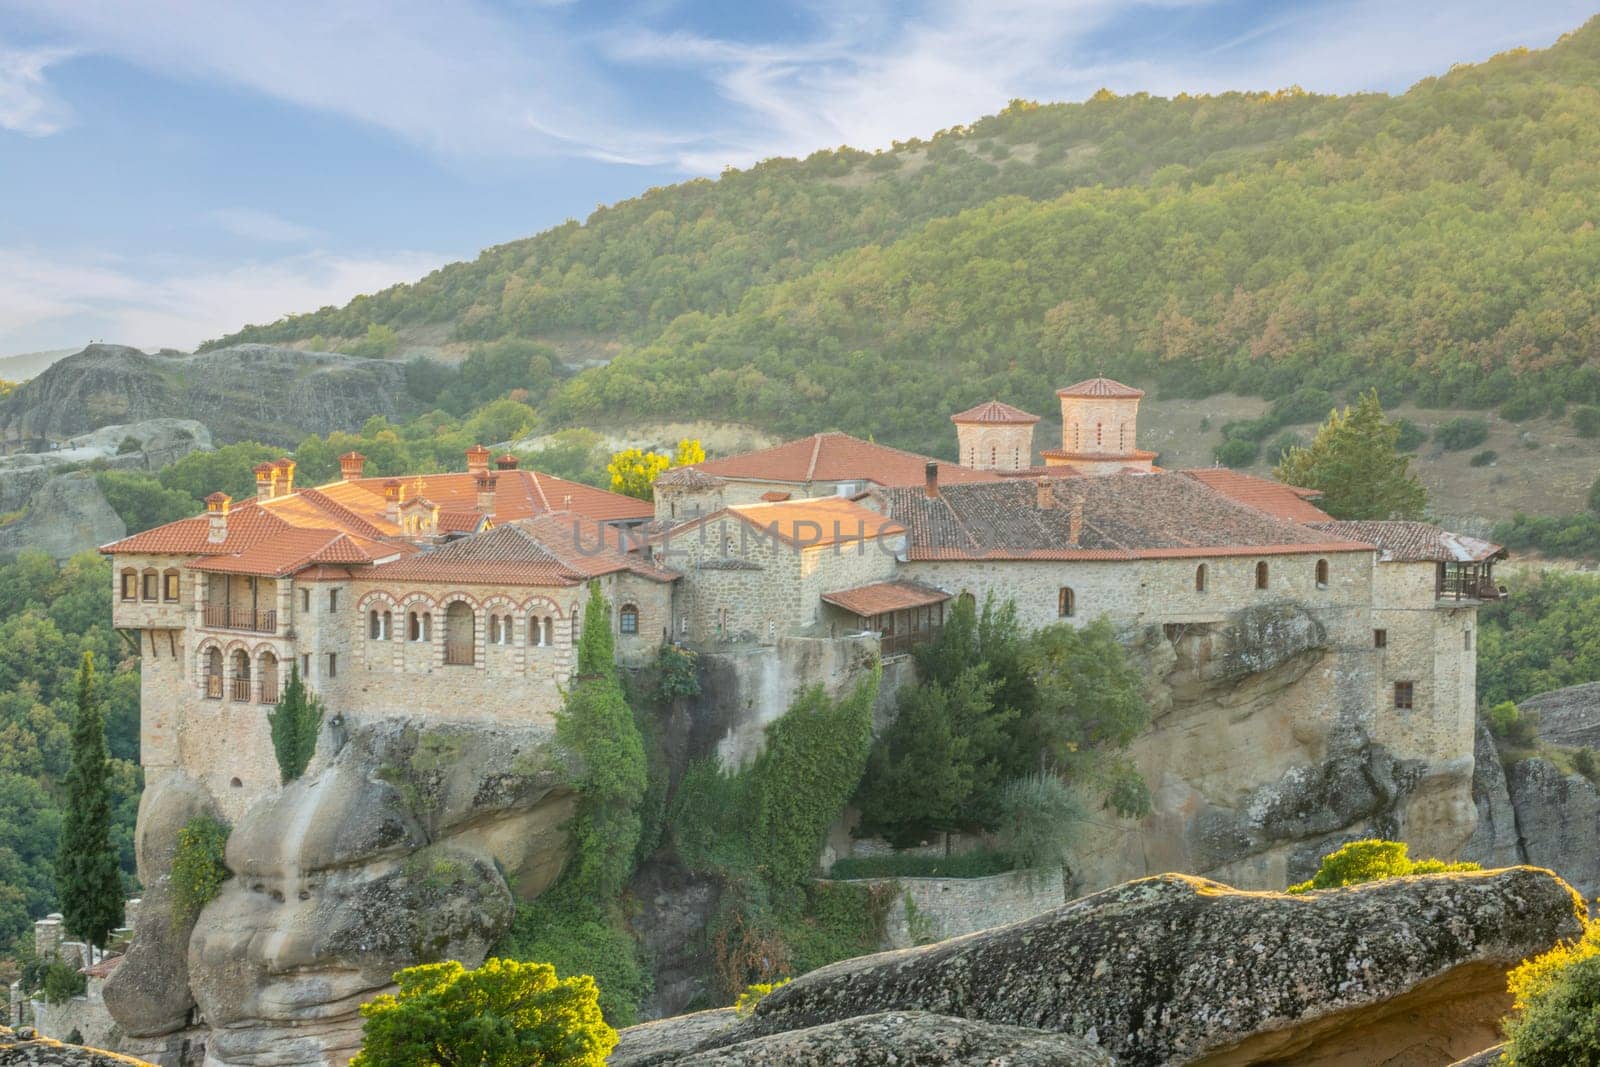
<point x="1558" y="818"/>
<point x="1179" y="970"/>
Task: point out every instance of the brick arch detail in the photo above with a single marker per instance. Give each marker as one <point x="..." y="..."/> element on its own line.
<point x="542" y="605"/>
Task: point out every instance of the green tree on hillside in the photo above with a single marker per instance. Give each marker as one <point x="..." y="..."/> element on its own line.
<point x="295" y="721"/>
<point x="504" y="1014"/>
<point x="1356" y="465"/>
<point x="88" y="880"/>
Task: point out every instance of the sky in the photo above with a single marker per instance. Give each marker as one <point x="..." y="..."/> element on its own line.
<point x="171" y="171"/>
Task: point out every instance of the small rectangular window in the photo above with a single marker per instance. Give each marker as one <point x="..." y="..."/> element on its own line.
<point x="1466" y="640"/>
<point x="130" y="586"/>
<point x="333" y="600"/>
<point x="305" y="600"/>
<point x="151" y="585"/>
<point x="333" y="664"/>
<point x="171" y="592"/>
<point x="1403" y="695"/>
<point x="1380" y="639"/>
<point x="305" y="665"/>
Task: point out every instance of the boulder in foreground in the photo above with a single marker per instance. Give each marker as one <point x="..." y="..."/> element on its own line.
<point x="1178" y="970"/>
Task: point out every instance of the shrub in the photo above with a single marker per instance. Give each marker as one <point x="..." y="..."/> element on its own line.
<point x="1557" y="1000"/>
<point x="198" y="870"/>
<point x="1514" y="726"/>
<point x="1524" y="406"/>
<point x="504" y="1014"/>
<point x="295" y="723"/>
<point x="1585" y="762"/>
<point x="1237" y="452"/>
<point x="1586" y="420"/>
<point x="1305" y="404"/>
<point x="579" y="937"/>
<point x="754" y="994"/>
<point x="74" y="1037"/>
<point x="1371" y="861"/>
<point x="1484" y="458"/>
<point x="1039" y="816"/>
<point x="1410" y="437"/>
<point x="1282" y="445"/>
<point x="1460" y="434"/>
<point x="62" y="982"/>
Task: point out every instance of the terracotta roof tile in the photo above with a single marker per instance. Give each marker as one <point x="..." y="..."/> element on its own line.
<point x="1101" y="387"/>
<point x="881" y="597"/>
<point x="835" y="457"/>
<point x="1413" y="542"/>
<point x="552" y="549"/>
<point x="825" y="520"/>
<point x="1115" y="517"/>
<point x="994" y="411"/>
<point x="1275" y="498"/>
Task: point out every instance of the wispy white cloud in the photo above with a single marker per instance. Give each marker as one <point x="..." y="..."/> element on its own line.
<point x="263" y="226"/>
<point x="27" y="104"/>
<point x="49" y="299"/>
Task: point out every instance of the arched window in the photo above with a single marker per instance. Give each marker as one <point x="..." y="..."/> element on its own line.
<point x="535" y="632"/>
<point x="968" y="600"/>
<point x="1261" y="574"/>
<point x="214" y="674"/>
<point x="240" y="689"/>
<point x="575" y="623"/>
<point x="375" y="628"/>
<point x="418" y="625"/>
<point x="628" y="619"/>
<point x="1322" y="574"/>
<point x="460" y="634"/>
<point x="152" y="586"/>
<point x="130" y="584"/>
<point x="267" y="668"/>
<point x="549" y="629"/>
<point x="235" y="784"/>
<point x="1066" y="602"/>
<point x="1200" y="578"/>
<point x="169" y="586"/>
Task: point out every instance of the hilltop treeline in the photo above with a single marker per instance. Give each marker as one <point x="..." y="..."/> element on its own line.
<point x="1439" y="245"/>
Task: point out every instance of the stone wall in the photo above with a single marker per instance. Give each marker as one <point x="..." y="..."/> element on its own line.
<point x="926" y="910"/>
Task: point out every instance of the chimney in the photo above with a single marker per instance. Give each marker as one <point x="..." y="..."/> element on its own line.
<point x="1044" y="495"/>
<point x="351" y="464"/>
<point x="285" y="476"/>
<point x="217" y="511"/>
<point x="477" y="459"/>
<point x="1075" y="522"/>
<point x="566" y="502"/>
<point x="393" y="492"/>
<point x="486" y="492"/>
<point x="507" y="462"/>
<point x="930" y="481"/>
<point x="266" y="481"/>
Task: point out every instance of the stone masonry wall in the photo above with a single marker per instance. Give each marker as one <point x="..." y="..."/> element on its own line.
<point x="934" y="909"/>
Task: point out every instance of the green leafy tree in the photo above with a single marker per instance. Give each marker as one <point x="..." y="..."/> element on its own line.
<point x="198" y="868"/>
<point x="1038" y="818"/>
<point x="229" y="469"/>
<point x="1370" y="861"/>
<point x="88" y="877"/>
<point x="1556" y="1002"/>
<point x="1355" y="462"/>
<point x="295" y="721"/>
<point x="503" y="1014"/>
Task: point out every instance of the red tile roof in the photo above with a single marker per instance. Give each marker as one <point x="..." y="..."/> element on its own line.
<point x="881" y="597"/>
<point x="553" y="549"/>
<point x="1275" y="498"/>
<point x="1146" y="516"/>
<point x="825" y="520"/>
<point x="1414" y="542"/>
<point x="518" y="494"/>
<point x="834" y="457"/>
<point x="1101" y="387"/>
<point x="995" y="412"/>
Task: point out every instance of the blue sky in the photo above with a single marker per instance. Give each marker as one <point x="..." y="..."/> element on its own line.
<point x="170" y="171"/>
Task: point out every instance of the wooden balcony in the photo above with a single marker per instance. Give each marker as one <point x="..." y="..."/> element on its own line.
<point x="1467" y="581"/>
<point x="269" y="691"/>
<point x="213" y="687"/>
<point x="225" y="617"/>
<point x="240" y="690"/>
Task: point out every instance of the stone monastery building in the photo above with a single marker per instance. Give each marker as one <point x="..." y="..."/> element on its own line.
<point x="460" y="595"/>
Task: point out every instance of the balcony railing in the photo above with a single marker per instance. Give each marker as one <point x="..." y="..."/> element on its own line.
<point x="241" y="690"/>
<point x="213" y="687"/>
<point x="224" y="617"/>
<point x="458" y="657"/>
<point x="900" y="644"/>
<point x="269" y="691"/>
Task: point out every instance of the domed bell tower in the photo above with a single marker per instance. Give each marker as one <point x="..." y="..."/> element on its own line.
<point x="1099" y="429"/>
<point x="995" y="437"/>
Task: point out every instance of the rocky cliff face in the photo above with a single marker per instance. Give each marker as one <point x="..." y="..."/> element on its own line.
<point x="1263" y="755"/>
<point x="247" y="392"/>
<point x="23" y="1048"/>
<point x="407" y="846"/>
<point x="64" y="516"/>
<point x="1177" y="970"/>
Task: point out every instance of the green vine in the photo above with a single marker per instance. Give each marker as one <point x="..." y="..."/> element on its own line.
<point x="198" y="870"/>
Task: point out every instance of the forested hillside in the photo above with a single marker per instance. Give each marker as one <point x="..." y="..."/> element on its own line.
<point x="1439" y="244"/>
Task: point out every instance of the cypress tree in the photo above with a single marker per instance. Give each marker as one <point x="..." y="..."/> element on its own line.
<point x="88" y="879"/>
<point x="295" y="722"/>
<point x="597" y="653"/>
